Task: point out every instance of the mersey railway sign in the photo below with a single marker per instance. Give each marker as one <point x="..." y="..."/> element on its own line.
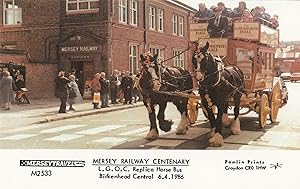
<point x="80" y="49"/>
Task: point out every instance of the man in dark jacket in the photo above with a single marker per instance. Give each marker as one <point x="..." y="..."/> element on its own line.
<point x="203" y="12"/>
<point x="218" y="25"/>
<point x="104" y="93"/>
<point x="126" y="86"/>
<point x="225" y="11"/>
<point x="114" y="85"/>
<point x="61" y="90"/>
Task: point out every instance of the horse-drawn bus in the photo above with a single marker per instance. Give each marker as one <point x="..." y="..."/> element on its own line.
<point x="234" y="71"/>
<point x="251" y="48"/>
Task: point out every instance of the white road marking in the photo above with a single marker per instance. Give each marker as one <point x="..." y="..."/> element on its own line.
<point x="63" y="137"/>
<point x="111" y="140"/>
<point x="27" y="127"/>
<point x="130" y="120"/>
<point x="143" y="134"/>
<point x="18" y="137"/>
<point x="100" y="129"/>
<point x="135" y="131"/>
<point x="62" y="128"/>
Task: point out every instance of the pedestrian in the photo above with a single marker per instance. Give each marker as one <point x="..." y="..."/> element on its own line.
<point x="74" y="94"/>
<point x="137" y="88"/>
<point x="96" y="87"/>
<point x="6" y="90"/>
<point x="126" y="86"/>
<point x="104" y="92"/>
<point x="114" y="85"/>
<point x="61" y="90"/>
<point x="121" y="92"/>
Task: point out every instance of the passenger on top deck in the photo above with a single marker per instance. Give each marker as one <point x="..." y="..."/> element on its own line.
<point x="225" y="11"/>
<point x="203" y="12"/>
<point x="274" y="21"/>
<point x="218" y="25"/>
<point x="247" y="16"/>
<point x="238" y="12"/>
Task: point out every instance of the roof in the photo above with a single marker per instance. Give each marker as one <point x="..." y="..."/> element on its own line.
<point x="182" y="5"/>
<point x="297" y="49"/>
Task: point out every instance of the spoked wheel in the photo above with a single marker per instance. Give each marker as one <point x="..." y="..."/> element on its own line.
<point x="264" y="110"/>
<point x="275" y="102"/>
<point x="192" y="109"/>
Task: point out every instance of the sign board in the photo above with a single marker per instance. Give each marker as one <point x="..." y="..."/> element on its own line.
<point x="198" y="31"/>
<point x="244" y="58"/>
<point x="269" y="36"/>
<point x="246" y="30"/>
<point x="217" y="46"/>
<point x="263" y="81"/>
<point x="82" y="49"/>
<point x="87" y="94"/>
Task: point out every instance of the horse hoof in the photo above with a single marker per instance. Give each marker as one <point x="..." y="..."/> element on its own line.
<point x="216" y="141"/>
<point x="235" y="127"/>
<point x="226" y="120"/>
<point x="180" y="131"/>
<point x="152" y="135"/>
<point x="166" y="125"/>
<point x="212" y="132"/>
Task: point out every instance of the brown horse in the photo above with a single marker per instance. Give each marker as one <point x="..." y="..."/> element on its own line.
<point x="156" y="79"/>
<point x="217" y="84"/>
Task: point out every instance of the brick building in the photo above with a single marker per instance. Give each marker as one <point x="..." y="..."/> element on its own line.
<point x="90" y="36"/>
<point x="287" y="57"/>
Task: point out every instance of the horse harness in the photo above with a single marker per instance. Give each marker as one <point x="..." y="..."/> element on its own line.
<point x="221" y="79"/>
<point x="165" y="70"/>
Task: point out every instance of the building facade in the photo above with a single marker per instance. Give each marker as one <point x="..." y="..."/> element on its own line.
<point x="90" y="36"/>
<point x="287" y="57"/>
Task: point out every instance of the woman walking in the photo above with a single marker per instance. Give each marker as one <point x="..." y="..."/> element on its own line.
<point x="6" y="90"/>
<point x="61" y="90"/>
<point x="74" y="94"/>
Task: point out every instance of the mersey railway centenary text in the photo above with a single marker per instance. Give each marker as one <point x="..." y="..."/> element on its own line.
<point x="161" y="162"/>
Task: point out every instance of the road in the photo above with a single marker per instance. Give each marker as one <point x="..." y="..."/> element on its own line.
<point x="125" y="129"/>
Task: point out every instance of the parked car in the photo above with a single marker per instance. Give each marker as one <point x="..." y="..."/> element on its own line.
<point x="283" y="89"/>
<point x="295" y="77"/>
<point x="285" y="76"/>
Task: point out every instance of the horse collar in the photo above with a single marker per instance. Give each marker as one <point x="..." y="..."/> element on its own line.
<point x="219" y="70"/>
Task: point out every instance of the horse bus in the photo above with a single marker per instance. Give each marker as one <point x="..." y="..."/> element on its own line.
<point x="250" y="47"/>
<point x="233" y="71"/>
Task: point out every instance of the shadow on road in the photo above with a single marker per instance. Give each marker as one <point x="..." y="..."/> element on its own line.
<point x="197" y="137"/>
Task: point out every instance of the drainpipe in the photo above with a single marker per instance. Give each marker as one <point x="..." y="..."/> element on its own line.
<point x="110" y="66"/>
<point x="45" y="47"/>
<point x="146" y="6"/>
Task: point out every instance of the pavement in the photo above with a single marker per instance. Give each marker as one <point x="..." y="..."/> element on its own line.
<point x="46" y="110"/>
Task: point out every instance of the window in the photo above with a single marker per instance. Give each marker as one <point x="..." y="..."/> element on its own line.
<point x="160" y="20"/>
<point x="82" y="5"/>
<point x="12" y="12"/>
<point x="178" y="25"/>
<point x="123" y="11"/>
<point x="133" y="58"/>
<point x="175" y="24"/>
<point x="133" y="12"/>
<point x="181" y="26"/>
<point x="159" y="51"/>
<point x="152" y="18"/>
<point x="178" y="60"/>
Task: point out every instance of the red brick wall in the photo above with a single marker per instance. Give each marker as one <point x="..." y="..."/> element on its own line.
<point x="295" y="66"/>
<point x="40" y="80"/>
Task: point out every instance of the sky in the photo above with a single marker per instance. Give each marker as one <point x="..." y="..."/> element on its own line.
<point x="287" y="10"/>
